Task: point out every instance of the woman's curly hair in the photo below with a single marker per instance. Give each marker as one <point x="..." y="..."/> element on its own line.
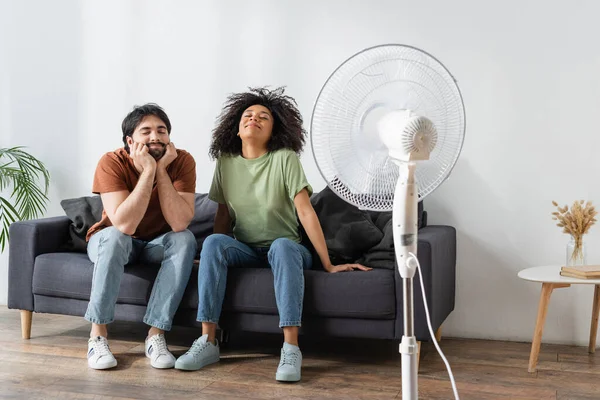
<point x="287" y="133"/>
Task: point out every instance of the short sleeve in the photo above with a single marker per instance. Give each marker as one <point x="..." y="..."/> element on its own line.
<point x="216" y="188"/>
<point x="295" y="180"/>
<point x="185" y="175"/>
<point x="109" y="176"/>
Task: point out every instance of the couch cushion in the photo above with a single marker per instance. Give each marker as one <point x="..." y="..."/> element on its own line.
<point x="354" y="294"/>
<point x="70" y="275"/>
<point x="346" y="295"/>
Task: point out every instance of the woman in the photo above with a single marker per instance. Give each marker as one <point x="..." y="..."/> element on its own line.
<point x="260" y="187"/>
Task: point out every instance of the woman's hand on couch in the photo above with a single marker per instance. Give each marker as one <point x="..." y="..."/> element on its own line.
<point x="345" y="267"/>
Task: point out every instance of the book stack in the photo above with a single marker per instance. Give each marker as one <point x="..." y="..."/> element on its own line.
<point x="581" y="271"/>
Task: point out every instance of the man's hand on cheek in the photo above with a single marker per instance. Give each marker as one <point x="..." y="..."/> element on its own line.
<point x="141" y="157"/>
<point x="169" y="156"/>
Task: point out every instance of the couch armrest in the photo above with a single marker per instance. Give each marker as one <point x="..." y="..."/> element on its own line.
<point x="436" y="251"/>
<point x="28" y="239"/>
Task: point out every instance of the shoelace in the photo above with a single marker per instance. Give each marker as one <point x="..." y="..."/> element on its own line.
<point x="197" y="348"/>
<point x="101" y="347"/>
<point x="288" y="358"/>
<point x="160" y="345"/>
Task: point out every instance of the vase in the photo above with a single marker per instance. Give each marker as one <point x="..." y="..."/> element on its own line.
<point x="576" y="252"/>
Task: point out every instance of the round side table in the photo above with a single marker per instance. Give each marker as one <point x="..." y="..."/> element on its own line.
<point x="550" y="278"/>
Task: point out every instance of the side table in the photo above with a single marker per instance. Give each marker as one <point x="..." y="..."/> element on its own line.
<point x="550" y="278"/>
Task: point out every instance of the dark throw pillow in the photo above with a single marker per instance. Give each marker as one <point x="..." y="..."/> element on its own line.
<point x="83" y="213"/>
<point x="349" y="232"/>
<point x="86" y="211"/>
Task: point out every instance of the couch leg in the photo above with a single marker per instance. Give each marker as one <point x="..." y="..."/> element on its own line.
<point x="438" y="334"/>
<point x="418" y="354"/>
<point x="26" y="323"/>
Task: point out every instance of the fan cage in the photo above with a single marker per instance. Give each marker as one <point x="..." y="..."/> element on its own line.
<point x="344" y="139"/>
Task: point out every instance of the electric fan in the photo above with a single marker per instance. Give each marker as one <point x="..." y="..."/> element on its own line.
<point x="386" y="130"/>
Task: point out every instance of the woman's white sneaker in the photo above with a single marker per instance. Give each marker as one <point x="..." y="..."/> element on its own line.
<point x="99" y="355"/>
<point x="158" y="352"/>
<point x="290" y="365"/>
<point x="201" y="354"/>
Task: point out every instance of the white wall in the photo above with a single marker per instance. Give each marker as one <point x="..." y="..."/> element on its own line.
<point x="528" y="71"/>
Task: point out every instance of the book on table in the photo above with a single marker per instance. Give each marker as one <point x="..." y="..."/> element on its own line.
<point x="581" y="271"/>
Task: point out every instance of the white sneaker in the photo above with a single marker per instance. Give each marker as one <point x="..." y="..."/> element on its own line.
<point x="99" y="355"/>
<point x="158" y="353"/>
<point x="290" y="365"/>
<point x="201" y="354"/>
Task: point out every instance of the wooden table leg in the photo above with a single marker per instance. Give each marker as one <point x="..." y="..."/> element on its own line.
<point x="539" y="325"/>
<point x="594" y="324"/>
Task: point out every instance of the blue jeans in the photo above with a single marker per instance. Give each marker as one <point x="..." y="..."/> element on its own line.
<point x="110" y="250"/>
<point x="286" y="258"/>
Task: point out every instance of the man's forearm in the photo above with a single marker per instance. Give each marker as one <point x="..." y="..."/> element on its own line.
<point x="130" y="212"/>
<point x="176" y="211"/>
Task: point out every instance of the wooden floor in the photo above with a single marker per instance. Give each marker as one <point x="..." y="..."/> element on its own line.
<point x="52" y="364"/>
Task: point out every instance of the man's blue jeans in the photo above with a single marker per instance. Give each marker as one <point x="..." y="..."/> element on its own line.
<point x="286" y="258"/>
<point x="110" y="250"/>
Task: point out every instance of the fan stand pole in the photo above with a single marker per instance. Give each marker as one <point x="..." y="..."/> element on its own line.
<point x="405" y="220"/>
<point x="409" y="347"/>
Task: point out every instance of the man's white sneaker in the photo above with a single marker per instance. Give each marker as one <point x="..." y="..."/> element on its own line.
<point x="158" y="353"/>
<point x="201" y="354"/>
<point x="99" y="355"/>
<point x="290" y="365"/>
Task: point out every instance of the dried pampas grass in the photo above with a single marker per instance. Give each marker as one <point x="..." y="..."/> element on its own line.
<point x="575" y="221"/>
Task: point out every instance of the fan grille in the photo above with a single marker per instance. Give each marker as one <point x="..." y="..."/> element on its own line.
<point x="344" y="138"/>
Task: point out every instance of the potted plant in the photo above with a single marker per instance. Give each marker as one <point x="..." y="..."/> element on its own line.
<point x="20" y="175"/>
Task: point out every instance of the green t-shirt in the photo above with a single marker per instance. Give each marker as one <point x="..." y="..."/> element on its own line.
<point x="259" y="194"/>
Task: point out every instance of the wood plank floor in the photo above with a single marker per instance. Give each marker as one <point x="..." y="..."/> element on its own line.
<point x="52" y="364"/>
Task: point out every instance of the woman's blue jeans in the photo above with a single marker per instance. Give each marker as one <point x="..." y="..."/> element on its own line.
<point x="286" y="258"/>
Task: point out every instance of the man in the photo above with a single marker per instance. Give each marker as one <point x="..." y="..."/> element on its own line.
<point x="147" y="190"/>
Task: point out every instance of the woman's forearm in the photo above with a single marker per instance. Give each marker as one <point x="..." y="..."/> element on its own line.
<point x="222" y="220"/>
<point x="313" y="229"/>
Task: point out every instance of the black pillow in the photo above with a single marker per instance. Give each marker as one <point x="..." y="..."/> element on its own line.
<point x="86" y="211"/>
<point x="383" y="254"/>
<point x="83" y="213"/>
<point x="349" y="232"/>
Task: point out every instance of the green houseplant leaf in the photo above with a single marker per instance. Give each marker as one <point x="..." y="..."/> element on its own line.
<point x="21" y="172"/>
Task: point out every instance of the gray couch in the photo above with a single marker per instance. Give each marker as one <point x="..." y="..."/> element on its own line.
<point x="49" y="272"/>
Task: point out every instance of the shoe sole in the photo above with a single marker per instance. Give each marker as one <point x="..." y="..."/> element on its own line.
<point x="162" y="366"/>
<point x="195" y="367"/>
<point x="103" y="366"/>
<point x="158" y="365"/>
<point x="287" y="377"/>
